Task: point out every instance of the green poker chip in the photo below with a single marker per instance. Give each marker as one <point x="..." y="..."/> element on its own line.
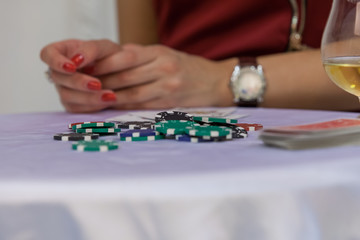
<point x="95" y="146"/>
<point x="211" y="131"/>
<point x="94" y="125"/>
<point x="98" y="130"/>
<point x="215" y="119"/>
<point x="174" y="127"/>
<point x="170" y="131"/>
<point x="138" y="139"/>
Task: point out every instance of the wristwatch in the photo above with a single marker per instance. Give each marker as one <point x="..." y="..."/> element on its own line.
<point x="248" y="83"/>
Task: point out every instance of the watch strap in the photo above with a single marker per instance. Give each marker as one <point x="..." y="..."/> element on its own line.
<point x="247" y="61"/>
<point x="243" y="103"/>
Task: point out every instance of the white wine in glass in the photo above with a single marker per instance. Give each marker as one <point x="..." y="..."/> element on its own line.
<point x="340" y="46"/>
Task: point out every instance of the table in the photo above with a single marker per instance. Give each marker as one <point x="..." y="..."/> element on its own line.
<point x="175" y="190"/>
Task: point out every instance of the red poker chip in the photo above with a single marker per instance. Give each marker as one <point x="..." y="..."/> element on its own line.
<point x="250" y="126"/>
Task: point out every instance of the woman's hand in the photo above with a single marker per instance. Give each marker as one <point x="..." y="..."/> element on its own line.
<point x="150" y="77"/>
<point x="68" y="61"/>
<point x="134" y="76"/>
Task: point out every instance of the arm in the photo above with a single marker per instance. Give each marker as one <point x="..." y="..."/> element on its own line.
<point x="294" y="80"/>
<point x="137" y="22"/>
<point x="298" y="80"/>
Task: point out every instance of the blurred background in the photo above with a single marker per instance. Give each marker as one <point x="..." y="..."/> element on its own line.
<point x="26" y="27"/>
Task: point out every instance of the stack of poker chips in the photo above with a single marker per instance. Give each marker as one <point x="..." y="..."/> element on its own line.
<point x="86" y="136"/>
<point x="179" y="126"/>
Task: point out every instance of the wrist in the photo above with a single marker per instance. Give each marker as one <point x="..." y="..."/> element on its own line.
<point x="225" y="94"/>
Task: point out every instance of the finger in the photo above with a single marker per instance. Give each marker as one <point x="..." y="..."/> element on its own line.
<point x="77" y="81"/>
<point x="103" y="98"/>
<point x="134" y="76"/>
<point x="69" y="55"/>
<point x="130" y="56"/>
<point x="55" y="56"/>
<point x="140" y="93"/>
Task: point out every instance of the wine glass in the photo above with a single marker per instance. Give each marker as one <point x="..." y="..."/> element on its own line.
<point x="340" y="46"/>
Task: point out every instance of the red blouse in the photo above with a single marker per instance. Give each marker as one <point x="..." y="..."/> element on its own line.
<point x="219" y="29"/>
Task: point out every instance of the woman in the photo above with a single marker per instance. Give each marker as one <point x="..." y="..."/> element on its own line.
<point x="183" y="53"/>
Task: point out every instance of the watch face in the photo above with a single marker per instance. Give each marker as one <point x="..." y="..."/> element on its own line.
<point x="250" y="84"/>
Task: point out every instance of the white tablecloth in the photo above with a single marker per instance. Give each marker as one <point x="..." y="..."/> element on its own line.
<point x="172" y="190"/>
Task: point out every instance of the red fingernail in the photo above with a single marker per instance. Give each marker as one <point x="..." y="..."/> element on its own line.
<point x="69" y="67"/>
<point x="88" y="69"/>
<point x="108" y="97"/>
<point x="93" y="85"/>
<point x="78" y="59"/>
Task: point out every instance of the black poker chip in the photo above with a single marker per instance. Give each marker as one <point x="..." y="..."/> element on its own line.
<point x="135" y="125"/>
<point x="239" y="132"/>
<point x="173" y="115"/>
<point x="75" y="136"/>
<point x="198" y="139"/>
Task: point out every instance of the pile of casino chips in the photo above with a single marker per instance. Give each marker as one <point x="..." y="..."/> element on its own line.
<point x="175" y="125"/>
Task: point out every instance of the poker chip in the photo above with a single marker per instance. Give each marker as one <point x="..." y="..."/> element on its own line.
<point x="237" y="132"/>
<point x="139" y="133"/>
<point x="75" y="136"/>
<point x="135" y="125"/>
<point x="172" y="115"/>
<point x="250" y="126"/>
<point x="187" y="138"/>
<point x="98" y="130"/>
<point x="197" y="139"/>
<point x="173" y="127"/>
<point x="95" y="145"/>
<point x="211" y="131"/>
<point x="94" y="125"/>
<point x="72" y="124"/>
<point x="217" y="139"/>
<point x="170" y="131"/>
<point x="170" y="137"/>
<point x="137" y="139"/>
<point x="214" y="119"/>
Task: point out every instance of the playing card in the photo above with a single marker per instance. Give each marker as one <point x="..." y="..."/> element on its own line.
<point x="321" y="134"/>
<point x="229" y="112"/>
<point x="332" y="125"/>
